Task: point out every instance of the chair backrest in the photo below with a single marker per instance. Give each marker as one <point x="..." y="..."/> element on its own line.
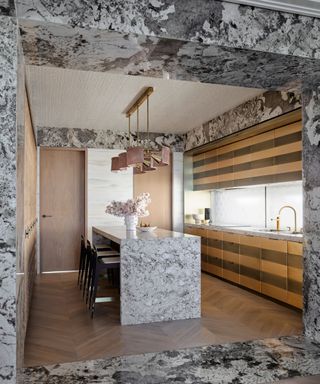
<point x="83" y="246"/>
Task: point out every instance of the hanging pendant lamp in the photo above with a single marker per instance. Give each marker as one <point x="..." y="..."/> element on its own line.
<point x="142" y="159"/>
<point x="115" y="164"/>
<point x="135" y="155"/>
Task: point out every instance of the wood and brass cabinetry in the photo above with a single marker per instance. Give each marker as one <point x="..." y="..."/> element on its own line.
<point x="268" y="157"/>
<point x="268" y="266"/>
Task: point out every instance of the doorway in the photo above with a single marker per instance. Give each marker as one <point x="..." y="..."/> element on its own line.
<point x="62" y="208"/>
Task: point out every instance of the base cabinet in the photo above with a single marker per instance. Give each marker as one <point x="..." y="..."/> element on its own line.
<point x="268" y="266"/>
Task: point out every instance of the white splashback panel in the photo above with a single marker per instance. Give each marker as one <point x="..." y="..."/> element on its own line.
<point x="245" y="206"/>
<point x="280" y="195"/>
<point x="104" y="186"/>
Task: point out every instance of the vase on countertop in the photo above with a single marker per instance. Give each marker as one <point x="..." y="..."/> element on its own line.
<point x="131" y="222"/>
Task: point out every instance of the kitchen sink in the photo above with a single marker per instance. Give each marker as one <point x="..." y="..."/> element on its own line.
<point x="271" y="230"/>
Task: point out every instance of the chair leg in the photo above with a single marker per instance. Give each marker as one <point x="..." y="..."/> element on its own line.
<point x="87" y="264"/>
<point x="81" y="267"/>
<point x="94" y="293"/>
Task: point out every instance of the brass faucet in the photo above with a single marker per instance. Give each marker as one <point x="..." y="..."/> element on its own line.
<point x="295" y="217"/>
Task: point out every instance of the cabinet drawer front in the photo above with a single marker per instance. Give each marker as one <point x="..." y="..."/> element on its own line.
<point x="274" y="245"/>
<point x="232" y="257"/>
<point x="273" y="291"/>
<point x="231" y="237"/>
<point x="274" y="268"/>
<point x="215" y="252"/>
<point x="252" y="241"/>
<point x="295" y="300"/>
<point x="295" y="248"/>
<point x="254" y="284"/>
<point x="250" y="262"/>
<point x="214" y="234"/>
<point x="215" y="270"/>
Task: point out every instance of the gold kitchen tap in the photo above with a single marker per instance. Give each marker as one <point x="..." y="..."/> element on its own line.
<point x="295" y="217"/>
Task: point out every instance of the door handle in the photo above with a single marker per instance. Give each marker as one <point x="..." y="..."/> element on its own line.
<point x="44" y="216"/>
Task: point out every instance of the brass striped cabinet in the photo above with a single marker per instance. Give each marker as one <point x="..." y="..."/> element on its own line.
<point x="269" y="266"/>
<point x="295" y="273"/>
<point x="270" y="157"/>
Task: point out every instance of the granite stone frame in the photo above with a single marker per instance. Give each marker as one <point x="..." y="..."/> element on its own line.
<point x="8" y="158"/>
<point x="195" y="40"/>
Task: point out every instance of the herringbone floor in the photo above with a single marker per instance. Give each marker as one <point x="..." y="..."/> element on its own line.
<point x="61" y="330"/>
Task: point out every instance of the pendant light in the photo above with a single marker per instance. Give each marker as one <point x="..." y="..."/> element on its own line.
<point x="135" y="155"/>
<point x="141" y="159"/>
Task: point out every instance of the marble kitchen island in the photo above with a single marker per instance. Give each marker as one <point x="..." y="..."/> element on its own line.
<point x="159" y="273"/>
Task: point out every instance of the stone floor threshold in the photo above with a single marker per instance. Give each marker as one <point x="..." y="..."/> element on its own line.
<point x="260" y="361"/>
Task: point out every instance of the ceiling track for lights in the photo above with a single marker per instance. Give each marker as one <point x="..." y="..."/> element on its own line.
<point x="142" y="158"/>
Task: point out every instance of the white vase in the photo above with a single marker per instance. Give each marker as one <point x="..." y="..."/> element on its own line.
<point x="131" y="222"/>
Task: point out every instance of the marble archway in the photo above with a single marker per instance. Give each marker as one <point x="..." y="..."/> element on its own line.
<point x="213" y="42"/>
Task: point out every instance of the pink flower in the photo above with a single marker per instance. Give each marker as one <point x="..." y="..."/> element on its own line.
<point x="136" y="206"/>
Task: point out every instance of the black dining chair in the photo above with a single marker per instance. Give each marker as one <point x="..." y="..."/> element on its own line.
<point x="99" y="266"/>
<point x="83" y="251"/>
<point x="90" y="265"/>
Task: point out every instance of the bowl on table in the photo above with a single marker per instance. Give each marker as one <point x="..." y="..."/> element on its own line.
<point x="146" y="229"/>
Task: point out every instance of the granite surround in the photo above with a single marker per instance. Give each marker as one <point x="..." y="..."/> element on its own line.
<point x="254" y="111"/>
<point x="91" y="138"/>
<point x="159" y="272"/>
<point x="8" y="246"/>
<point x="236" y="45"/>
<point x="64" y="46"/>
<point x="311" y="219"/>
<point x="253" y="362"/>
<point x="211" y="22"/>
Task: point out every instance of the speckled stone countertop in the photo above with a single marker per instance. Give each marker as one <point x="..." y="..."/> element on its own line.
<point x="251" y="231"/>
<point x="119" y="234"/>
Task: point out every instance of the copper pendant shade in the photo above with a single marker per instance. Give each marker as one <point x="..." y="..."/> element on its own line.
<point x="115" y="164"/>
<point x="142" y="159"/>
<point x="135" y="155"/>
<point x="123" y="161"/>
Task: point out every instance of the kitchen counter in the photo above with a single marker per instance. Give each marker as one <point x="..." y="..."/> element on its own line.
<point x="251" y="231"/>
<point x="159" y="271"/>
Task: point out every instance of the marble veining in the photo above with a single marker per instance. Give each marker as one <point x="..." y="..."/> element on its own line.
<point x="253" y="362"/>
<point x="311" y="185"/>
<point x="91" y="138"/>
<point x="8" y="140"/>
<point x="212" y="22"/>
<point x="7" y="8"/>
<point x="160" y="279"/>
<point x="63" y="46"/>
<point x="160" y="274"/>
<point x="261" y="108"/>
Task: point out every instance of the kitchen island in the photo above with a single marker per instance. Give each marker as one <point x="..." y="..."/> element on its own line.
<point x="159" y="274"/>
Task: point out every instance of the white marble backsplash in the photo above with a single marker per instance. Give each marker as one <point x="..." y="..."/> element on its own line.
<point x="104" y="186"/>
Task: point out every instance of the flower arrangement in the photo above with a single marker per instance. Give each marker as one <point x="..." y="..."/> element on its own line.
<point x="132" y="207"/>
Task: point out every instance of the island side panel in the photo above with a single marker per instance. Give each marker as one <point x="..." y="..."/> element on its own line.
<point x="160" y="280"/>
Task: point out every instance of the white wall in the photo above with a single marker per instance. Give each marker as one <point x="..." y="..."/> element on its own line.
<point x="104" y="186"/>
<point x="177" y="191"/>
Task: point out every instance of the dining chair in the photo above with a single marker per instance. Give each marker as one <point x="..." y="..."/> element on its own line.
<point x="82" y="260"/>
<point x="90" y="266"/>
<point x="99" y="266"/>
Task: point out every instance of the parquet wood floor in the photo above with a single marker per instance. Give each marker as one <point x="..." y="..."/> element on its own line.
<point x="61" y="330"/>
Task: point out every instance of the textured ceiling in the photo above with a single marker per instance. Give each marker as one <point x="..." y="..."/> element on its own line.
<point x="80" y="99"/>
<point x="301" y="7"/>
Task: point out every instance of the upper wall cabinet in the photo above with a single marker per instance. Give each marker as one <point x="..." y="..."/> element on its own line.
<point x="260" y="158"/>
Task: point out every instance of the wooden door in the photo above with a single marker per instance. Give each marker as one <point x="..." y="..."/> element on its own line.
<point x="62" y="208"/>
